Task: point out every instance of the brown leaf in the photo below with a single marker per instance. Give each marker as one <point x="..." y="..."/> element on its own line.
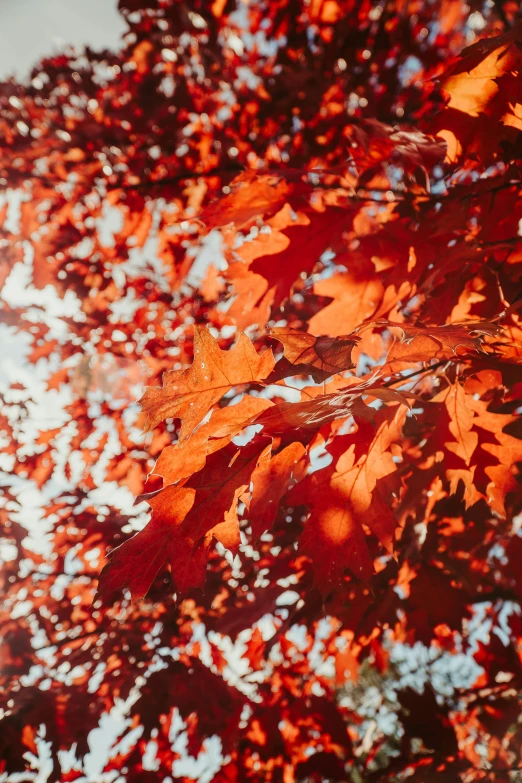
<point x="468" y="335"/>
<point x="330" y="355"/>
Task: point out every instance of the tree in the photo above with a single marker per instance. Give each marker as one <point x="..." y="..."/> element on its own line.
<point x="298" y="225"/>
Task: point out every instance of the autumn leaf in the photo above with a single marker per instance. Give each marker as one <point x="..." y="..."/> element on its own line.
<point x="184" y="522"/>
<point x="134" y="564"/>
<point x="448" y="336"/>
<point x="252" y="196"/>
<point x="314" y="413"/>
<point x="354" y="300"/>
<point x="189" y="456"/>
<point x="485" y="106"/>
<point x="270" y="480"/>
<point x="311" y="413"/>
<point x="255" y="649"/>
<point x="415" y="344"/>
<point x="299" y="234"/>
<point x="346" y="499"/>
<point x="461" y="423"/>
<point x="190" y="394"/>
<point x="505" y="451"/>
<point x="327" y="354"/>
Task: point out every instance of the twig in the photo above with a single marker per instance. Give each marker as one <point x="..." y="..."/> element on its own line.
<point x="431" y="368"/>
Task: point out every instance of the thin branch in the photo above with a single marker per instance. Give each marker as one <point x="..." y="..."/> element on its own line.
<point x="405" y="378"/>
<point x="296" y="174"/>
<point x="498" y="242"/>
<point x="68" y="642"/>
<point x="495" y="770"/>
<point x="174" y="179"/>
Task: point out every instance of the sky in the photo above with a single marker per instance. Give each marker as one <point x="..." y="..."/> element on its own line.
<point x="32" y="29"/>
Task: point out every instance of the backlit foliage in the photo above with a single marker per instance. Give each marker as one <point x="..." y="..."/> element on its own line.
<point x="292" y="228"/>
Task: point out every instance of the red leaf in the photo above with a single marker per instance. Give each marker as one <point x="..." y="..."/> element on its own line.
<point x="270" y="480"/>
<point x="342" y="500"/>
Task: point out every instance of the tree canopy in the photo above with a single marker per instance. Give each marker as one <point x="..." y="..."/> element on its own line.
<point x="293" y="229"/>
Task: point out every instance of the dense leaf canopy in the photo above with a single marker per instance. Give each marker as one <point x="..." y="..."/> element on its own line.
<point x="294" y="229"/>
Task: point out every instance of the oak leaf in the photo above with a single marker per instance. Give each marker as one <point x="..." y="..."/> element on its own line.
<point x="324" y="408"/>
<point x="299" y="235"/>
<point x="328" y="355"/>
<point x="461" y="423"/>
<point x="189" y="456"/>
<point x="190" y="394"/>
<point x="354" y="300"/>
<point x="270" y="480"/>
<point x="134" y="564"/>
<point x="184" y="521"/>
<point x="252" y="196"/>
<point x="485" y="106"/>
<point x="418" y="343"/>
<point x="347" y="498"/>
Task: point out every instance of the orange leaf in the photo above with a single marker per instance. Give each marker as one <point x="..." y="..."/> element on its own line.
<point x="353" y="302"/>
<point x="189" y="456"/>
<point x="189" y="394"/>
<point x="485" y="103"/>
<point x="461" y="416"/>
<point x="252" y="196"/>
